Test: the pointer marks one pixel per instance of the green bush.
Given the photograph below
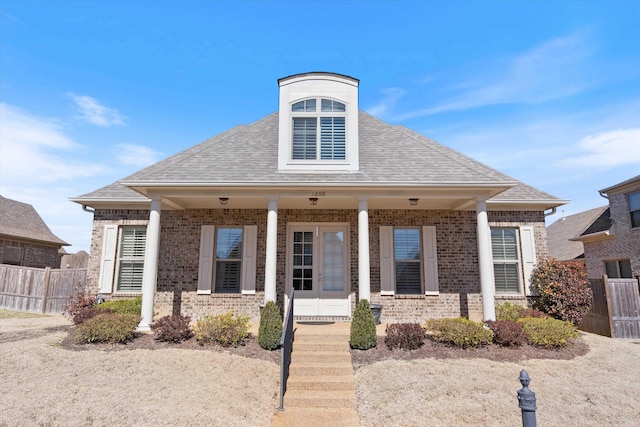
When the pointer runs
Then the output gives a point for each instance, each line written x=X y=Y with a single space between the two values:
x=459 y=332
x=172 y=328
x=562 y=289
x=123 y=306
x=111 y=328
x=228 y=330
x=548 y=332
x=363 y=327
x=270 y=331
x=508 y=311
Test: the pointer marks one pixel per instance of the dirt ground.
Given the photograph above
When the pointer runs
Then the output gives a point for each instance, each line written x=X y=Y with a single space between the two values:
x=45 y=379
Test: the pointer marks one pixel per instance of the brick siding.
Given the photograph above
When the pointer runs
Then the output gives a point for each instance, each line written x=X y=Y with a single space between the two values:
x=180 y=244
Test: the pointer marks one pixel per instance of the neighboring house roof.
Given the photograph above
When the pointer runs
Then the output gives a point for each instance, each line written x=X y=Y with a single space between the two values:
x=20 y=220
x=600 y=224
x=389 y=155
x=561 y=231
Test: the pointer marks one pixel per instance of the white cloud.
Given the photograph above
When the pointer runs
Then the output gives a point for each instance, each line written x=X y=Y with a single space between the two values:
x=137 y=155
x=390 y=98
x=554 y=69
x=607 y=150
x=91 y=111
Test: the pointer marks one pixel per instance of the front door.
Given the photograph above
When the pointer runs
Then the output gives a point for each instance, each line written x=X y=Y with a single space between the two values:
x=318 y=269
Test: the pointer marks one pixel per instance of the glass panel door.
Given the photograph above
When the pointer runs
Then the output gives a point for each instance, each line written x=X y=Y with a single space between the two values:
x=333 y=261
x=303 y=260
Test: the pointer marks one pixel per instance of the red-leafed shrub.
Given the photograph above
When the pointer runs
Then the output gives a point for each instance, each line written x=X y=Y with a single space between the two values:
x=172 y=328
x=562 y=290
x=532 y=312
x=80 y=308
x=407 y=336
x=507 y=333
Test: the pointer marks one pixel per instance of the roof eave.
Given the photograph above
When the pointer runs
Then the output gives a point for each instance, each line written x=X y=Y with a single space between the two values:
x=593 y=237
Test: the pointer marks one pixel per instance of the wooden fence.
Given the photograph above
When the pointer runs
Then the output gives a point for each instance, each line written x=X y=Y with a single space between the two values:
x=616 y=308
x=38 y=290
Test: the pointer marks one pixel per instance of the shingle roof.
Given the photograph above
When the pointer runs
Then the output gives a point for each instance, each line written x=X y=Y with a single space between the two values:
x=388 y=154
x=601 y=223
x=21 y=220
x=559 y=233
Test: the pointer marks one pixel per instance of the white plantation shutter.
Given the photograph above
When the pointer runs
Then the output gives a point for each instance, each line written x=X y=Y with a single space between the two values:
x=528 y=248
x=205 y=265
x=387 y=274
x=131 y=258
x=248 y=280
x=429 y=248
x=304 y=138
x=108 y=259
x=332 y=138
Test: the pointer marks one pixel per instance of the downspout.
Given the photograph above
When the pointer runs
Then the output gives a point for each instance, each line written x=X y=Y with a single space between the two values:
x=553 y=211
x=87 y=209
x=602 y=195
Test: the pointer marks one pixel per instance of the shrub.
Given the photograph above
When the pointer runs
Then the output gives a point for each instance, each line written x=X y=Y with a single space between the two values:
x=270 y=331
x=228 y=330
x=78 y=304
x=89 y=313
x=123 y=306
x=508 y=333
x=362 y=334
x=459 y=332
x=172 y=328
x=508 y=311
x=548 y=332
x=407 y=336
x=532 y=312
x=108 y=328
x=562 y=289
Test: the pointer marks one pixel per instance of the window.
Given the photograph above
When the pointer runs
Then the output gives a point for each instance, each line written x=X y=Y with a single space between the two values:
x=408 y=261
x=618 y=269
x=406 y=252
x=634 y=209
x=228 y=260
x=131 y=258
x=319 y=135
x=506 y=265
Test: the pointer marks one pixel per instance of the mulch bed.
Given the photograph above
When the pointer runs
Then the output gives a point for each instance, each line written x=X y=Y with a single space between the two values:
x=430 y=349
x=435 y=350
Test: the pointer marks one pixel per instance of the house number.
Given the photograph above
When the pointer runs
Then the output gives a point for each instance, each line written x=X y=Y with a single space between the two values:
x=317 y=193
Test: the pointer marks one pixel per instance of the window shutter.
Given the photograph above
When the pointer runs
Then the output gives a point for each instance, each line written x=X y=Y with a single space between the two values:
x=430 y=250
x=387 y=275
x=249 y=248
x=528 y=244
x=108 y=260
x=205 y=266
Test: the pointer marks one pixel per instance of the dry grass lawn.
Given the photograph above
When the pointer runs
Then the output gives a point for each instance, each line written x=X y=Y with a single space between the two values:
x=42 y=383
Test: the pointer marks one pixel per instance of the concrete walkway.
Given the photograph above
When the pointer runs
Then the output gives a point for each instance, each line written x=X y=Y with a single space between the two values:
x=321 y=388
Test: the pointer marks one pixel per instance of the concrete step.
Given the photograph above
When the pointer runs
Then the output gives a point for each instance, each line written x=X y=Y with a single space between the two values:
x=321 y=338
x=316 y=417
x=321 y=356
x=320 y=346
x=325 y=369
x=310 y=382
x=320 y=399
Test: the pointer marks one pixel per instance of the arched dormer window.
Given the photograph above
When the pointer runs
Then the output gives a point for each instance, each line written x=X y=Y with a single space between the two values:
x=318 y=133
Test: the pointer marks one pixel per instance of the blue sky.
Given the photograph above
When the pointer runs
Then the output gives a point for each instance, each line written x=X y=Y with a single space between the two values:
x=92 y=91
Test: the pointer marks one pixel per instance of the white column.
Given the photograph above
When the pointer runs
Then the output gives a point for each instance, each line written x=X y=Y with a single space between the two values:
x=485 y=261
x=364 y=273
x=270 y=293
x=150 y=271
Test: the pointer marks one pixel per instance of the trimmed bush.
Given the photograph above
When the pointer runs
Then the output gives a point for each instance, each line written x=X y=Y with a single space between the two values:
x=508 y=333
x=459 y=332
x=532 y=312
x=406 y=336
x=172 y=328
x=111 y=328
x=562 y=289
x=123 y=306
x=508 y=311
x=270 y=331
x=228 y=330
x=362 y=334
x=548 y=333
x=80 y=308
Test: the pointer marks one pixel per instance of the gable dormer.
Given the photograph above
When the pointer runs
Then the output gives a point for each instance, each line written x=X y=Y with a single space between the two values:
x=318 y=127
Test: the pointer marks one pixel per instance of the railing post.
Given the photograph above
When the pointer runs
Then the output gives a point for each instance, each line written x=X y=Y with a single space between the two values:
x=527 y=401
